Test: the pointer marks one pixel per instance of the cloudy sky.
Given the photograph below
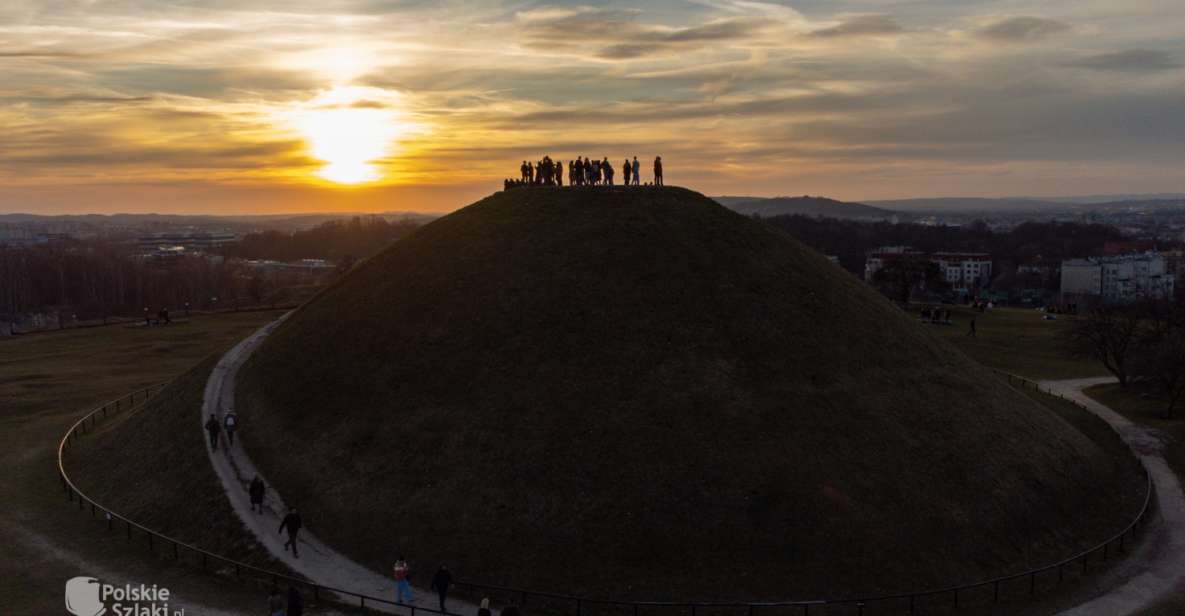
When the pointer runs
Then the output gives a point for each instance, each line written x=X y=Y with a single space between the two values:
x=242 y=105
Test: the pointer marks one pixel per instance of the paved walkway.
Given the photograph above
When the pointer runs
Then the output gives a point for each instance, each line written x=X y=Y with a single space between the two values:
x=1159 y=570
x=318 y=562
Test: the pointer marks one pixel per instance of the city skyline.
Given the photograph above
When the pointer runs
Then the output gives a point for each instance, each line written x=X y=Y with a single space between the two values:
x=235 y=107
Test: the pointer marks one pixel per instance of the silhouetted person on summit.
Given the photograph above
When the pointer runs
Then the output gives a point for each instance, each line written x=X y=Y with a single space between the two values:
x=637 y=171
x=559 y=173
x=607 y=169
x=213 y=428
x=292 y=523
x=625 y=172
x=658 y=171
x=257 y=490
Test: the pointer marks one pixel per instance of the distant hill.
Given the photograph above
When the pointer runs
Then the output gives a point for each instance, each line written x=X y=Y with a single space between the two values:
x=242 y=223
x=970 y=205
x=805 y=206
x=637 y=393
x=1090 y=199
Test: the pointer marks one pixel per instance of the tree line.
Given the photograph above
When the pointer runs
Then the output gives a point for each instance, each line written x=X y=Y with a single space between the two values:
x=100 y=278
x=336 y=240
x=1138 y=343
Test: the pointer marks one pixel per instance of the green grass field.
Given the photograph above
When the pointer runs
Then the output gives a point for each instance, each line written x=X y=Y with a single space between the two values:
x=1145 y=406
x=1018 y=341
x=49 y=380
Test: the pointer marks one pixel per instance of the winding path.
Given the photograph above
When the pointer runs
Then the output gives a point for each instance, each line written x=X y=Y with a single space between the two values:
x=1157 y=571
x=318 y=562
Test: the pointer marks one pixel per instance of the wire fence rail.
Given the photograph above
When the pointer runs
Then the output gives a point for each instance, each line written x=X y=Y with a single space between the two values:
x=552 y=602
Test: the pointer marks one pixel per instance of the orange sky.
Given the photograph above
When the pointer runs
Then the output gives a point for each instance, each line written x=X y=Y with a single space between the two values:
x=237 y=106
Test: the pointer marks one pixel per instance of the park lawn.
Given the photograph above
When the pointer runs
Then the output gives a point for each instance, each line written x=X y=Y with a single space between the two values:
x=72 y=369
x=49 y=380
x=1016 y=340
x=1140 y=403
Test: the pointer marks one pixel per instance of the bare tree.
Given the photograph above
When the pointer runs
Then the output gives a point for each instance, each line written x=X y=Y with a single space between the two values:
x=899 y=279
x=1108 y=333
x=1160 y=357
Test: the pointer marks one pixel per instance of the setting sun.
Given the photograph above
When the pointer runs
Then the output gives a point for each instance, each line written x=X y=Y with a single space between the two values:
x=350 y=129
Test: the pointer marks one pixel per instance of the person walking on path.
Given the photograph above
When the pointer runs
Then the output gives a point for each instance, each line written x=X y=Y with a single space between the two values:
x=229 y=423
x=295 y=602
x=440 y=583
x=256 y=491
x=484 y=609
x=213 y=428
x=971 y=331
x=637 y=171
x=402 y=584
x=292 y=523
x=275 y=603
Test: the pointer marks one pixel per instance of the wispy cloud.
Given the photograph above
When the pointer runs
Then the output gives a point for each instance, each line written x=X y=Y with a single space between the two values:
x=1021 y=29
x=1129 y=60
x=862 y=25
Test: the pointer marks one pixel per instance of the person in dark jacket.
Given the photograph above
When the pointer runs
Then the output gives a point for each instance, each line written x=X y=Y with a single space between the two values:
x=292 y=523
x=213 y=427
x=275 y=603
x=440 y=583
x=484 y=610
x=295 y=602
x=257 y=490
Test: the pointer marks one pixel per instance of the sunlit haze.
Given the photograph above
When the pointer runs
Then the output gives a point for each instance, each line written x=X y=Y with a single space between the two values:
x=246 y=106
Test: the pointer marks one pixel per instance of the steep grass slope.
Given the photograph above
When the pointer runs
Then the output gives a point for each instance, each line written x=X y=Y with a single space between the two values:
x=640 y=394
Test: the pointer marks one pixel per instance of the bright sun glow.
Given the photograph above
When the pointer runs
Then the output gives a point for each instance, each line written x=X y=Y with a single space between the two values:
x=351 y=129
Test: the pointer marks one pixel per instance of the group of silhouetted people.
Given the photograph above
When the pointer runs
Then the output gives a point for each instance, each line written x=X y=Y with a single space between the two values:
x=581 y=172
x=278 y=606
x=162 y=317
x=229 y=424
x=293 y=605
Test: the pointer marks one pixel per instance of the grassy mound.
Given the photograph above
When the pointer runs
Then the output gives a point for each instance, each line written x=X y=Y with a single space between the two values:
x=640 y=394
